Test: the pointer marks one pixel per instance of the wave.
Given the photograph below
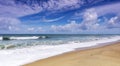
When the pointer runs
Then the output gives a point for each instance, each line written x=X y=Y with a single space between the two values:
x=29 y=54
x=0 y=38
x=22 y=44
x=9 y=46
x=25 y=41
x=21 y=38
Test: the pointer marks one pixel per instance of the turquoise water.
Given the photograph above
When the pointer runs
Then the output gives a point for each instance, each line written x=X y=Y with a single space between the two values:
x=52 y=39
x=23 y=49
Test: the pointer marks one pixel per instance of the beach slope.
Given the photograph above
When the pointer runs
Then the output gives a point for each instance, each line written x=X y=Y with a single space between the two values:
x=103 y=56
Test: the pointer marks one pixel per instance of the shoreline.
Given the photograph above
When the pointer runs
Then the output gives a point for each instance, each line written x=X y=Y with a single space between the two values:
x=56 y=58
x=18 y=57
x=98 y=45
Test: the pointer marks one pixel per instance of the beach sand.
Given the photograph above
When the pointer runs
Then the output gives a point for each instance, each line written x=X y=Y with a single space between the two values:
x=103 y=56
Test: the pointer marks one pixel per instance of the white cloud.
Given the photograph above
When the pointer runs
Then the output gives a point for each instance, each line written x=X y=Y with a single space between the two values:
x=101 y=10
x=7 y=23
x=35 y=29
x=51 y=20
x=71 y=27
x=109 y=8
x=40 y=29
x=114 y=22
x=63 y=4
x=11 y=8
x=14 y=25
x=90 y=22
x=90 y=15
x=31 y=29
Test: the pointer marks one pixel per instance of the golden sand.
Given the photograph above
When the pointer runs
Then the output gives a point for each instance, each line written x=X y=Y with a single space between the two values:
x=102 y=56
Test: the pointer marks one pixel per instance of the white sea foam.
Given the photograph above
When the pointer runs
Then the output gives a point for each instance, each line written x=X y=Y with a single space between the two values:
x=0 y=38
x=16 y=57
x=23 y=38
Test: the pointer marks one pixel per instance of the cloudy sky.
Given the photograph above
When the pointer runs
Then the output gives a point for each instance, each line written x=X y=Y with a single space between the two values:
x=59 y=17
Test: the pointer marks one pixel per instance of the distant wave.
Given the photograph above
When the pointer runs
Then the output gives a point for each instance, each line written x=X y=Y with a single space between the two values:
x=0 y=38
x=21 y=38
x=20 y=56
x=20 y=41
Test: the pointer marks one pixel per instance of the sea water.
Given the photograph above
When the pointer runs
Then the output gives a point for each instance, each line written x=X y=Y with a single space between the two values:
x=22 y=49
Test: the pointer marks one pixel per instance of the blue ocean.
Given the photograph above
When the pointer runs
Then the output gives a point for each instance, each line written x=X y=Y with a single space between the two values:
x=18 y=49
x=20 y=41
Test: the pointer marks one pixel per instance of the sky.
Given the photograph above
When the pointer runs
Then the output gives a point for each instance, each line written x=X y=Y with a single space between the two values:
x=59 y=17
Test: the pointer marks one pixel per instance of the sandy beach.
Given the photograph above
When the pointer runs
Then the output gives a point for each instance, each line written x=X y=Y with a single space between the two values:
x=103 y=56
x=59 y=32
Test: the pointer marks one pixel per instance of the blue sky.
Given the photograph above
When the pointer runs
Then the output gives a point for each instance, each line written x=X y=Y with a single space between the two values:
x=59 y=17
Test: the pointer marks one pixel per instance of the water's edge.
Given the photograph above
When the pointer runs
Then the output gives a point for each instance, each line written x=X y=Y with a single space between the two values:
x=29 y=54
x=80 y=49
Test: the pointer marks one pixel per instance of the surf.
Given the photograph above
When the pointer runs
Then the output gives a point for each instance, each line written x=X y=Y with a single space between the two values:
x=22 y=37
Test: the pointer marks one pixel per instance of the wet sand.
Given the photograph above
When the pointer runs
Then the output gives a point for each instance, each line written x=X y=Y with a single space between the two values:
x=101 y=56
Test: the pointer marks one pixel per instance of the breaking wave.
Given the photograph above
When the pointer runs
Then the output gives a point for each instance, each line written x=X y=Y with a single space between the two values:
x=21 y=38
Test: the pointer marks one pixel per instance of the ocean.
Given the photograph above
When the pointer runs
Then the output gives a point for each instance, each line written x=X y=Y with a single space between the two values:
x=19 y=49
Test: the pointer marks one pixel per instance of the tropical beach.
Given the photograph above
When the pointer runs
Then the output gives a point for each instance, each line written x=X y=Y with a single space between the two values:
x=17 y=50
x=59 y=32
x=101 y=56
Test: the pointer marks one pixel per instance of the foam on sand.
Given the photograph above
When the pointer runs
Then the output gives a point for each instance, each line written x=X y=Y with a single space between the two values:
x=20 y=56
